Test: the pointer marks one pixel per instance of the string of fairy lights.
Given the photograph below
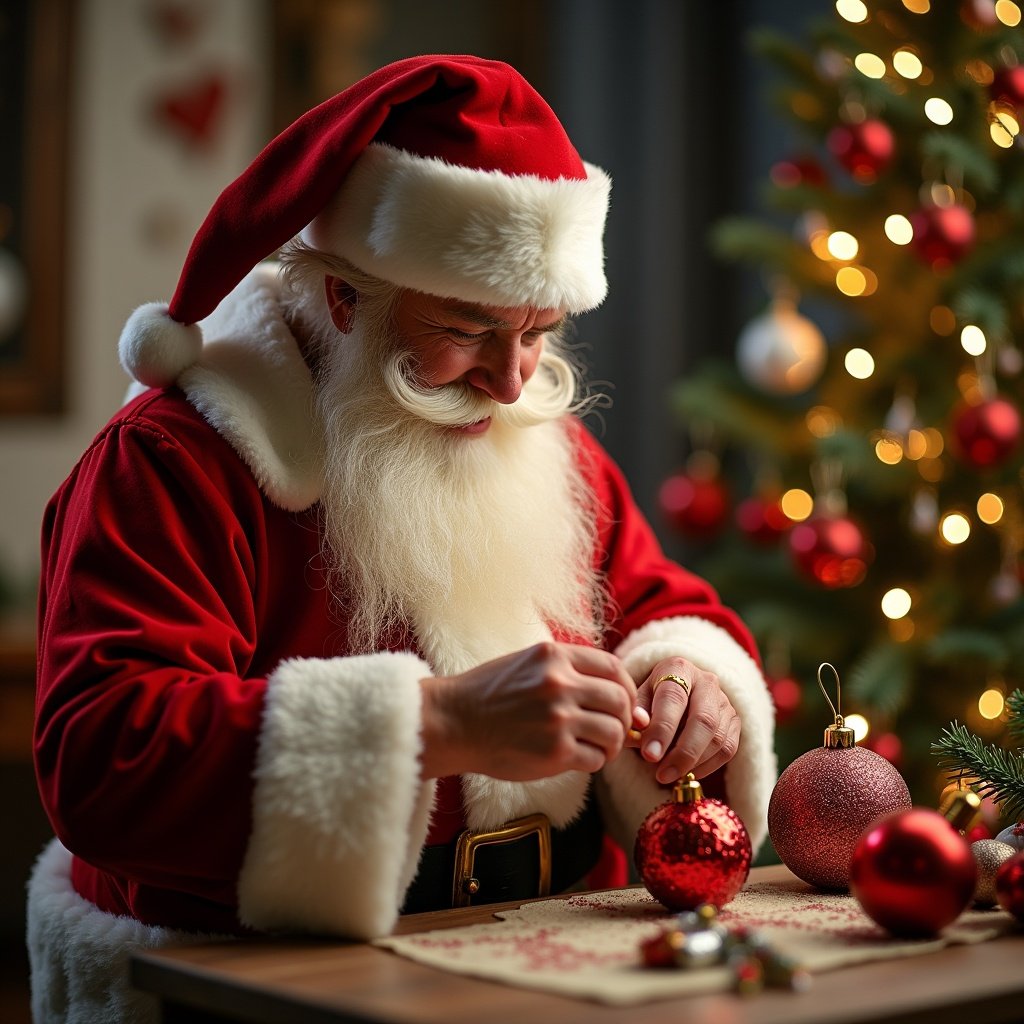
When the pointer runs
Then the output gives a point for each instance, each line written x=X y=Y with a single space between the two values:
x=842 y=253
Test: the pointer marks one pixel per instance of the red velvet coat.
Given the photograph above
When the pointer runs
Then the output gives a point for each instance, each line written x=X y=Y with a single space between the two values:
x=207 y=747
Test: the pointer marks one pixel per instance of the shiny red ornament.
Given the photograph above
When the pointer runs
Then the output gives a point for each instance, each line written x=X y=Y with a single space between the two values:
x=979 y=14
x=1008 y=86
x=798 y=171
x=787 y=696
x=830 y=550
x=887 y=745
x=822 y=803
x=865 y=149
x=762 y=520
x=987 y=433
x=912 y=872
x=979 y=832
x=943 y=235
x=694 y=504
x=1010 y=886
x=692 y=850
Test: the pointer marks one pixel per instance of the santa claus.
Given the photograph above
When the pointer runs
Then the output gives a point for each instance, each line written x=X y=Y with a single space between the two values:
x=346 y=613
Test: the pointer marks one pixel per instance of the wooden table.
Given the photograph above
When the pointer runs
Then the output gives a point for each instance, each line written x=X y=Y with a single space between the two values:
x=306 y=981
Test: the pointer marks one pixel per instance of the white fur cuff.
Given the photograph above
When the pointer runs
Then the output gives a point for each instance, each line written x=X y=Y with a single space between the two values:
x=339 y=811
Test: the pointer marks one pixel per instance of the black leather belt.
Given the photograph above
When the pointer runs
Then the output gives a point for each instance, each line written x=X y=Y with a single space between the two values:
x=523 y=859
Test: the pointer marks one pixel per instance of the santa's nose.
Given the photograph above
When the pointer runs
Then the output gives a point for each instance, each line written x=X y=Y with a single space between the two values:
x=499 y=372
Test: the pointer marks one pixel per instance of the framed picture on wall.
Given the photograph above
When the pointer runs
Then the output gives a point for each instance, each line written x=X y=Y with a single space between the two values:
x=35 y=59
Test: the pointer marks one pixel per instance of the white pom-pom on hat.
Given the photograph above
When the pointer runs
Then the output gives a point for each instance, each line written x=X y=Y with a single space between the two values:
x=155 y=349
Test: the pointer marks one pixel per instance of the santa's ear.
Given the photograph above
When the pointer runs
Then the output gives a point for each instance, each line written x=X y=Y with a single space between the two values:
x=341 y=301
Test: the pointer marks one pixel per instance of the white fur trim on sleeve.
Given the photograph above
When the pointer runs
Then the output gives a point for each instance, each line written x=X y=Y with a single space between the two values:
x=339 y=811
x=628 y=782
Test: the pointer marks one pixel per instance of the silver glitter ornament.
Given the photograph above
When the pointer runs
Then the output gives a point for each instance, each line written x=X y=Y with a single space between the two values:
x=989 y=855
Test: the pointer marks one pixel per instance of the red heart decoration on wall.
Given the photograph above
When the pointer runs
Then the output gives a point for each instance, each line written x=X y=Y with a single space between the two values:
x=192 y=111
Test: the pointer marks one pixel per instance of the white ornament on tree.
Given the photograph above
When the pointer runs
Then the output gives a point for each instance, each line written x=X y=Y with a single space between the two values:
x=781 y=351
x=13 y=293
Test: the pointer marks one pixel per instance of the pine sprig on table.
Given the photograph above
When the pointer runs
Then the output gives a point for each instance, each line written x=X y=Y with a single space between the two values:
x=990 y=770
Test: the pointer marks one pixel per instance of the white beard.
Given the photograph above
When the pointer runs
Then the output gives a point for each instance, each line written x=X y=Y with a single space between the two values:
x=482 y=545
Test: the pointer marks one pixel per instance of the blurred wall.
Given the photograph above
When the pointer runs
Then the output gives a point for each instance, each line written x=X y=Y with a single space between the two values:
x=139 y=183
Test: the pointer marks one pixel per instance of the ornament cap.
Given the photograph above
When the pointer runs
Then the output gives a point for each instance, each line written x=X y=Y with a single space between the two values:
x=961 y=808
x=840 y=736
x=688 y=790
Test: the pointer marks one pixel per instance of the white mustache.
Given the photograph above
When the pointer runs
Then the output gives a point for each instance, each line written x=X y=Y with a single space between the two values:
x=547 y=395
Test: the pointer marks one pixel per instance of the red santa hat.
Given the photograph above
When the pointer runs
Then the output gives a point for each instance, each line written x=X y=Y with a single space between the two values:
x=444 y=174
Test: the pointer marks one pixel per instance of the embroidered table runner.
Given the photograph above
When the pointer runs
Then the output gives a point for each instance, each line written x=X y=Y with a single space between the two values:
x=588 y=945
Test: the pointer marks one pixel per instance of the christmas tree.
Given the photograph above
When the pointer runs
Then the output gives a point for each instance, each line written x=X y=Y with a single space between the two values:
x=854 y=478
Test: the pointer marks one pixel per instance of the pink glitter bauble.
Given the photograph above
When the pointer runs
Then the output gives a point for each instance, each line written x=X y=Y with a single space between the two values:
x=822 y=804
x=693 y=853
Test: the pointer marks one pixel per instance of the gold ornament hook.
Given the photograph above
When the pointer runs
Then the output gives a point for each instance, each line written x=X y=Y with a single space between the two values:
x=839 y=697
x=837 y=734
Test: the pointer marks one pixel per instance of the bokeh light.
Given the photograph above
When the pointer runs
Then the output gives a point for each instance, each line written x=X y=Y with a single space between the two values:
x=955 y=528
x=907 y=63
x=990 y=508
x=938 y=111
x=859 y=363
x=797 y=504
x=896 y=603
x=898 y=229
x=972 y=340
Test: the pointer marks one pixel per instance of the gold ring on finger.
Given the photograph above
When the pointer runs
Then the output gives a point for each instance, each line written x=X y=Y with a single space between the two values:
x=684 y=683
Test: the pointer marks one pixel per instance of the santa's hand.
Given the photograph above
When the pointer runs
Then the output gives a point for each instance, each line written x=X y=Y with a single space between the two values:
x=529 y=715
x=693 y=727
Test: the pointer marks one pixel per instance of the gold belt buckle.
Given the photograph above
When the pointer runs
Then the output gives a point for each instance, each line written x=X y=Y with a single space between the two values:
x=464 y=885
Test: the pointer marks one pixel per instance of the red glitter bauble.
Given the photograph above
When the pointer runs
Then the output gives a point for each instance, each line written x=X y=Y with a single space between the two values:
x=864 y=149
x=692 y=850
x=1010 y=885
x=821 y=805
x=987 y=433
x=912 y=872
x=831 y=550
x=1008 y=85
x=942 y=234
x=762 y=520
x=694 y=504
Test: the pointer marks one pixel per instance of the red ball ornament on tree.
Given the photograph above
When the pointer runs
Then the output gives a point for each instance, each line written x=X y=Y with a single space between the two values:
x=979 y=14
x=692 y=850
x=912 y=871
x=865 y=149
x=887 y=745
x=1008 y=86
x=696 y=502
x=761 y=520
x=787 y=696
x=986 y=433
x=825 y=799
x=830 y=550
x=1010 y=886
x=943 y=235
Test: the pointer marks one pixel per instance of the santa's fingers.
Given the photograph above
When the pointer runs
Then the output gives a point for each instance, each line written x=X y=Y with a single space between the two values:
x=721 y=751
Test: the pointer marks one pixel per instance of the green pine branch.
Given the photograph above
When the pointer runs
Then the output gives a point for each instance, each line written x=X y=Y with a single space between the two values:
x=1015 y=716
x=991 y=770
